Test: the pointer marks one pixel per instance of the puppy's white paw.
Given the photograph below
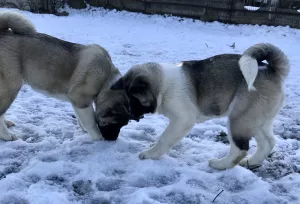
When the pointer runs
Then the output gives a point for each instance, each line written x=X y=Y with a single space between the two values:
x=149 y=154
x=215 y=163
x=220 y=164
x=13 y=136
x=8 y=137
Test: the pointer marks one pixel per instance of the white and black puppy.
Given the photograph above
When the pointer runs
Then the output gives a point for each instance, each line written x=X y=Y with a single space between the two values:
x=241 y=87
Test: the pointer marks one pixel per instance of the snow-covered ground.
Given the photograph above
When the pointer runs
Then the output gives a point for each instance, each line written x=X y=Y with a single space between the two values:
x=251 y=8
x=54 y=162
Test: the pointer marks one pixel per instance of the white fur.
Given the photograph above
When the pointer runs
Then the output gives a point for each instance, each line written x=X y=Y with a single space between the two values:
x=4 y=133
x=175 y=104
x=249 y=67
x=86 y=119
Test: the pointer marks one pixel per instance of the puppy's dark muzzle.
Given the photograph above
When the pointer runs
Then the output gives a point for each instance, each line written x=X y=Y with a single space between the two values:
x=111 y=132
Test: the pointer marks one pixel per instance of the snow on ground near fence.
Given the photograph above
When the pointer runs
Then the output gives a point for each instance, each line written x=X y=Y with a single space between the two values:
x=55 y=162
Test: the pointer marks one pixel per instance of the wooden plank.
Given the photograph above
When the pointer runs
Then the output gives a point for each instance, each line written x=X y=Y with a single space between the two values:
x=201 y=3
x=209 y=10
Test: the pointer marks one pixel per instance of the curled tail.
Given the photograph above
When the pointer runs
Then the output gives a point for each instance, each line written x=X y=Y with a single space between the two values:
x=277 y=60
x=16 y=22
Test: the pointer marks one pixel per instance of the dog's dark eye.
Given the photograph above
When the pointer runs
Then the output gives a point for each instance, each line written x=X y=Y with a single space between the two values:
x=135 y=89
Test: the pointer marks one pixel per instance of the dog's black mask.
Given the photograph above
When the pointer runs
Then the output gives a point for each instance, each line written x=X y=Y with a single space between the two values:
x=111 y=132
x=138 y=110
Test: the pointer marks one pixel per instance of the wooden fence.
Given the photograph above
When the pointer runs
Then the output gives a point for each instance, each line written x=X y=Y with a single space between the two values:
x=226 y=11
x=261 y=12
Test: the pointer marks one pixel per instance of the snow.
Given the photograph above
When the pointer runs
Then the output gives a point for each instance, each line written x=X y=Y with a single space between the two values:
x=251 y=8
x=55 y=162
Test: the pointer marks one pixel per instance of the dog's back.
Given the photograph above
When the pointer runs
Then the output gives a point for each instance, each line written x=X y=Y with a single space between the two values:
x=39 y=59
x=45 y=62
x=217 y=81
x=214 y=82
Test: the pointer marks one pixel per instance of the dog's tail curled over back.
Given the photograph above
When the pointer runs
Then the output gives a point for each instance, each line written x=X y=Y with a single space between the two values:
x=16 y=22
x=277 y=60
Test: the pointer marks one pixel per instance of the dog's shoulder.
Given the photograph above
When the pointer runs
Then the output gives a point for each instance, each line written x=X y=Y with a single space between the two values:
x=172 y=77
x=176 y=89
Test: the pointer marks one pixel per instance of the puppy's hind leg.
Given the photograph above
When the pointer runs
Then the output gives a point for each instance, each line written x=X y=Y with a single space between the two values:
x=239 y=145
x=265 y=142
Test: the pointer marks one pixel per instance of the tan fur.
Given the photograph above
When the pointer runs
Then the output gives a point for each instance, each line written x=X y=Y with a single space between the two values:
x=72 y=72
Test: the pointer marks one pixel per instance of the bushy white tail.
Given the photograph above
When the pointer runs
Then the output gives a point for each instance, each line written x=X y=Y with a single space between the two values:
x=277 y=60
x=249 y=68
x=16 y=22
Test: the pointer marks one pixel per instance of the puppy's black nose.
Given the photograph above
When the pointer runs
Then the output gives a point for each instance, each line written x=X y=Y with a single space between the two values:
x=110 y=132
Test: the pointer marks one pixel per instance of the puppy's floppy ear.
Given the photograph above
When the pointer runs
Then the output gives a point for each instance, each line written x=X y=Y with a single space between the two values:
x=138 y=89
x=118 y=85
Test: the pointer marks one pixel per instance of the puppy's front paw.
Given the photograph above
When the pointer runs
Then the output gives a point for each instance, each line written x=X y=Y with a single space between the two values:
x=214 y=163
x=220 y=164
x=8 y=137
x=13 y=137
x=149 y=155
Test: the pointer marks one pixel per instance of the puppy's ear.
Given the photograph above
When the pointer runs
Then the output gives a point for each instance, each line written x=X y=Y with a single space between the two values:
x=119 y=85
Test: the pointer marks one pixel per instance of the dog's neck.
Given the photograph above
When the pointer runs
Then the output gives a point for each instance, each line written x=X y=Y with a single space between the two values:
x=172 y=83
